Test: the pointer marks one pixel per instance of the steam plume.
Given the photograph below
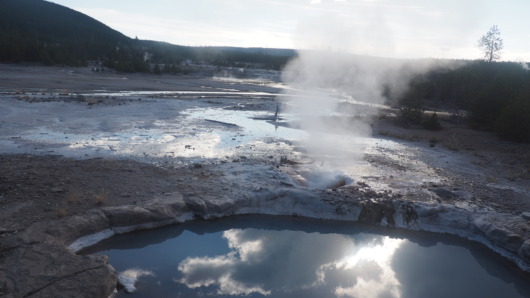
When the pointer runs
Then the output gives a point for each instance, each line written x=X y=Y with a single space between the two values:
x=334 y=93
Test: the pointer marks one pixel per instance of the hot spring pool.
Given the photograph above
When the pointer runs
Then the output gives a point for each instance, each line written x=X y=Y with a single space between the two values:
x=259 y=256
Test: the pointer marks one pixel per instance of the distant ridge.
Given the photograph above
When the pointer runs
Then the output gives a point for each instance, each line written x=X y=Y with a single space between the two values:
x=39 y=31
x=52 y=22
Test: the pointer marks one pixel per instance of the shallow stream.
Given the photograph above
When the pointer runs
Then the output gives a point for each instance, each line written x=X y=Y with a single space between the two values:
x=259 y=256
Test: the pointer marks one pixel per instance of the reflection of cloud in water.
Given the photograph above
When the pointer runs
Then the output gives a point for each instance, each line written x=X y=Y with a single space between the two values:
x=268 y=262
x=129 y=277
x=371 y=265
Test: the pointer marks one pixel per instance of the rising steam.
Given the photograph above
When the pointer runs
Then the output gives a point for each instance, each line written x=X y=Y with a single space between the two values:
x=334 y=94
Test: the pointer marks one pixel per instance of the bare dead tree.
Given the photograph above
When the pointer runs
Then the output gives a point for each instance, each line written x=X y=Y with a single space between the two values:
x=491 y=44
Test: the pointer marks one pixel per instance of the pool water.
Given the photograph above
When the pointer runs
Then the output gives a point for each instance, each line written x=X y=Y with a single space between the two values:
x=260 y=256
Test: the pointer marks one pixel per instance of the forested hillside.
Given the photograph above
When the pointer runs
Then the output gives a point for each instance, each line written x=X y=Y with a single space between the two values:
x=494 y=95
x=48 y=33
x=39 y=31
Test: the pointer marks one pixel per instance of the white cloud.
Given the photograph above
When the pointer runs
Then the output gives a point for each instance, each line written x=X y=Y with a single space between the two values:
x=329 y=263
x=188 y=32
x=384 y=283
x=409 y=28
x=129 y=277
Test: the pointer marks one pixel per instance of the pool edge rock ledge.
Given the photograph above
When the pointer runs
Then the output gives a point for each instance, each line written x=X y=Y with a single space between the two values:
x=42 y=261
x=37 y=262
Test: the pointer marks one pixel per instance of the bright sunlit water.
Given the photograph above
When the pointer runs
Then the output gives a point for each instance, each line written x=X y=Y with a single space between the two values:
x=249 y=127
x=259 y=256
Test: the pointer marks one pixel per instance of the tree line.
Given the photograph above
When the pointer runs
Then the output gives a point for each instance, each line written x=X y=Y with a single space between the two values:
x=126 y=56
x=44 y=32
x=494 y=97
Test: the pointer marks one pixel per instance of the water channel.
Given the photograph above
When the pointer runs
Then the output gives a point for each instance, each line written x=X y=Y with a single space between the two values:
x=260 y=256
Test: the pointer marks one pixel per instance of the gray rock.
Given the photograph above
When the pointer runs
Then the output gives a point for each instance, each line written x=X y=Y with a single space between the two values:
x=196 y=205
x=498 y=235
x=51 y=270
x=443 y=192
x=524 y=251
x=138 y=215
x=72 y=228
x=57 y=190
x=375 y=212
x=36 y=262
x=341 y=210
x=462 y=194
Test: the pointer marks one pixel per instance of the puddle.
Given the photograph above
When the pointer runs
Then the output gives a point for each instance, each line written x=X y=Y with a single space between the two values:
x=180 y=93
x=259 y=256
x=237 y=128
x=181 y=131
x=162 y=129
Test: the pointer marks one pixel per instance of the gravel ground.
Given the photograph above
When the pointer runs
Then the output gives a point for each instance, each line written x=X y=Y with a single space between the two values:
x=466 y=165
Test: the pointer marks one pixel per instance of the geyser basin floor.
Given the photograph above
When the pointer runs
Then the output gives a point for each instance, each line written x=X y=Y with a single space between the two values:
x=285 y=257
x=151 y=129
x=39 y=188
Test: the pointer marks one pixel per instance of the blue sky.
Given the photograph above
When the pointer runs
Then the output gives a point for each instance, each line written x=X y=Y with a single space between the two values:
x=404 y=29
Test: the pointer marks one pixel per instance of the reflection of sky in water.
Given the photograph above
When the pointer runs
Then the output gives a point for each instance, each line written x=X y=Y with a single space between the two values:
x=250 y=128
x=167 y=131
x=267 y=262
x=177 y=93
x=279 y=257
x=199 y=134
